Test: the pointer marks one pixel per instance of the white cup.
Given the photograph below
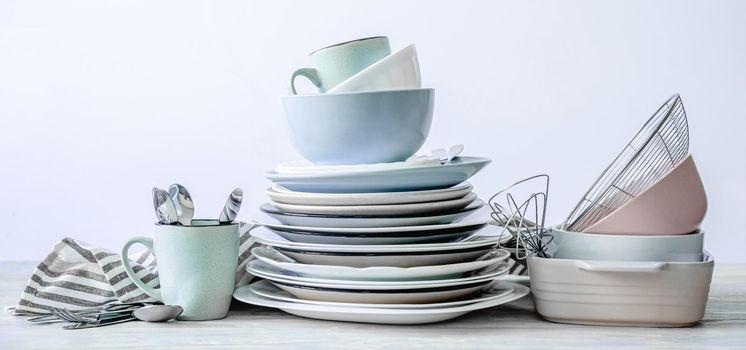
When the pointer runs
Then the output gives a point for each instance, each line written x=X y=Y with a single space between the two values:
x=400 y=70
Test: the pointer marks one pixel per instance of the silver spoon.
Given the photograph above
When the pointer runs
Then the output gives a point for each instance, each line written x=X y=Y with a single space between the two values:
x=157 y=313
x=165 y=210
x=183 y=201
x=231 y=207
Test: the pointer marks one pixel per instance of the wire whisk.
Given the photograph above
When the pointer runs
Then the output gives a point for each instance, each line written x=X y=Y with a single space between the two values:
x=524 y=220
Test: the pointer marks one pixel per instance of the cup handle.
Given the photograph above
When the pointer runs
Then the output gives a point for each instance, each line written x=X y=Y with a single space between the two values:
x=148 y=243
x=310 y=73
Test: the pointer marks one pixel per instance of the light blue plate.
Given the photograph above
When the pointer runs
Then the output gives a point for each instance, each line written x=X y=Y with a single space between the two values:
x=416 y=178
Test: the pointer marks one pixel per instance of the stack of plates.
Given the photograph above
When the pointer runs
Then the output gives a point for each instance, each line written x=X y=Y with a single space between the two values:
x=392 y=243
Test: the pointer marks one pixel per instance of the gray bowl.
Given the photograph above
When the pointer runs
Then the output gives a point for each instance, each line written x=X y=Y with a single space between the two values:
x=360 y=128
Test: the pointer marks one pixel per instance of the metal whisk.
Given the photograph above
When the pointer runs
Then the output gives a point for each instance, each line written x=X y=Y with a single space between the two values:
x=524 y=220
x=660 y=144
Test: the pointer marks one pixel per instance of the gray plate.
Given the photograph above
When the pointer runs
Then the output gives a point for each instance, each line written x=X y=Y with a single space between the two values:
x=317 y=220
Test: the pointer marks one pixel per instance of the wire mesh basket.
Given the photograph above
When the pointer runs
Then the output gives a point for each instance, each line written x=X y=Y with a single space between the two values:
x=660 y=144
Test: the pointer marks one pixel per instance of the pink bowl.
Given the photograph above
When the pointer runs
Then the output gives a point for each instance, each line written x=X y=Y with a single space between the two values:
x=676 y=204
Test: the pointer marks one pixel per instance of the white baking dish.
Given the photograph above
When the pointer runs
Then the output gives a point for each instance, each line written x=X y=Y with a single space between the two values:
x=655 y=294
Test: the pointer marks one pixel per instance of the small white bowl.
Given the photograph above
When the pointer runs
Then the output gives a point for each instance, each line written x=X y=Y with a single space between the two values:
x=400 y=70
x=655 y=294
x=591 y=246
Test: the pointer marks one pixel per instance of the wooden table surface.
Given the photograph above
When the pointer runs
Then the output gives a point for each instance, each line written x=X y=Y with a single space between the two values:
x=511 y=326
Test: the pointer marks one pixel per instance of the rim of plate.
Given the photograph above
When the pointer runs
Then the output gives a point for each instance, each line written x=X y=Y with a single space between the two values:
x=519 y=291
x=497 y=292
x=279 y=189
x=402 y=229
x=475 y=204
x=497 y=269
x=499 y=255
x=382 y=248
x=464 y=160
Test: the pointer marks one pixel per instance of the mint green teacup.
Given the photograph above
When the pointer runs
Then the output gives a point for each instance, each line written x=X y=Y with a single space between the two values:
x=196 y=267
x=334 y=64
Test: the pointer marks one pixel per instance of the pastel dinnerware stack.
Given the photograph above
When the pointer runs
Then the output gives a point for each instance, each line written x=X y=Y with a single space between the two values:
x=361 y=230
x=632 y=252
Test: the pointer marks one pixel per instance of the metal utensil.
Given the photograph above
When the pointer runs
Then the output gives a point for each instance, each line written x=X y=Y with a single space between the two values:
x=100 y=323
x=57 y=315
x=158 y=313
x=183 y=201
x=231 y=207
x=165 y=210
x=661 y=143
x=524 y=219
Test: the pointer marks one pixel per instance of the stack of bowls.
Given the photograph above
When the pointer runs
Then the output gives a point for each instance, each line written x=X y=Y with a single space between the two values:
x=361 y=231
x=643 y=264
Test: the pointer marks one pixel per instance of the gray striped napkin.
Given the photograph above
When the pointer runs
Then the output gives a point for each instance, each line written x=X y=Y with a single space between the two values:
x=77 y=276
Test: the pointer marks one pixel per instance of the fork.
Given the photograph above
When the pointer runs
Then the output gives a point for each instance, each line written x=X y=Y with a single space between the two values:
x=68 y=315
x=100 y=322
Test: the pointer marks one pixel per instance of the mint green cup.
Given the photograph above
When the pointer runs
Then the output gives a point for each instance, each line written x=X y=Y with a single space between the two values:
x=196 y=267
x=334 y=64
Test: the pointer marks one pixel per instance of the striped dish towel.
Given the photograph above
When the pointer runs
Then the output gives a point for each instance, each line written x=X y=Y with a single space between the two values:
x=76 y=276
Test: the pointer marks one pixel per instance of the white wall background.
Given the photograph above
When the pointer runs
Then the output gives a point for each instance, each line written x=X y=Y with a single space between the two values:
x=101 y=100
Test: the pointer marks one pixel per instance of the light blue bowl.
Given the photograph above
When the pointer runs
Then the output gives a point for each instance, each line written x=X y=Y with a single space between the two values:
x=360 y=128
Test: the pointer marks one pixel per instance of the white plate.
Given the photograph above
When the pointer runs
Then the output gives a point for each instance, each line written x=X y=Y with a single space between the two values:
x=311 y=220
x=486 y=237
x=400 y=296
x=373 y=210
x=262 y=269
x=495 y=290
x=380 y=273
x=486 y=233
x=378 y=238
x=322 y=238
x=377 y=315
x=408 y=178
x=399 y=259
x=280 y=194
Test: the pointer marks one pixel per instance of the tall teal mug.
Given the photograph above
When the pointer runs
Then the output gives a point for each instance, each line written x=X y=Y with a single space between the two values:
x=196 y=267
x=334 y=64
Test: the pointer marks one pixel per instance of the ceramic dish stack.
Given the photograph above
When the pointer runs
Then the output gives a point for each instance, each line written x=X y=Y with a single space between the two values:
x=406 y=257
x=361 y=230
x=631 y=252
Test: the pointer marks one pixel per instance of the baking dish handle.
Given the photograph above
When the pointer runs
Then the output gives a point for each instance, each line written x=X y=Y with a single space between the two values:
x=618 y=266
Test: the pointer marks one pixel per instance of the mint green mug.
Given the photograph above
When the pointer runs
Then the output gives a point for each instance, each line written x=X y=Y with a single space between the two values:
x=196 y=267
x=334 y=64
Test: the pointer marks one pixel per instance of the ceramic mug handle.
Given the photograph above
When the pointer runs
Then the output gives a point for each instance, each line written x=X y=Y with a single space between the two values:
x=148 y=243
x=310 y=73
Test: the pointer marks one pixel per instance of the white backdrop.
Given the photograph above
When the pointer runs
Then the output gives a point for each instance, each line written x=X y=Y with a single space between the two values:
x=101 y=100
